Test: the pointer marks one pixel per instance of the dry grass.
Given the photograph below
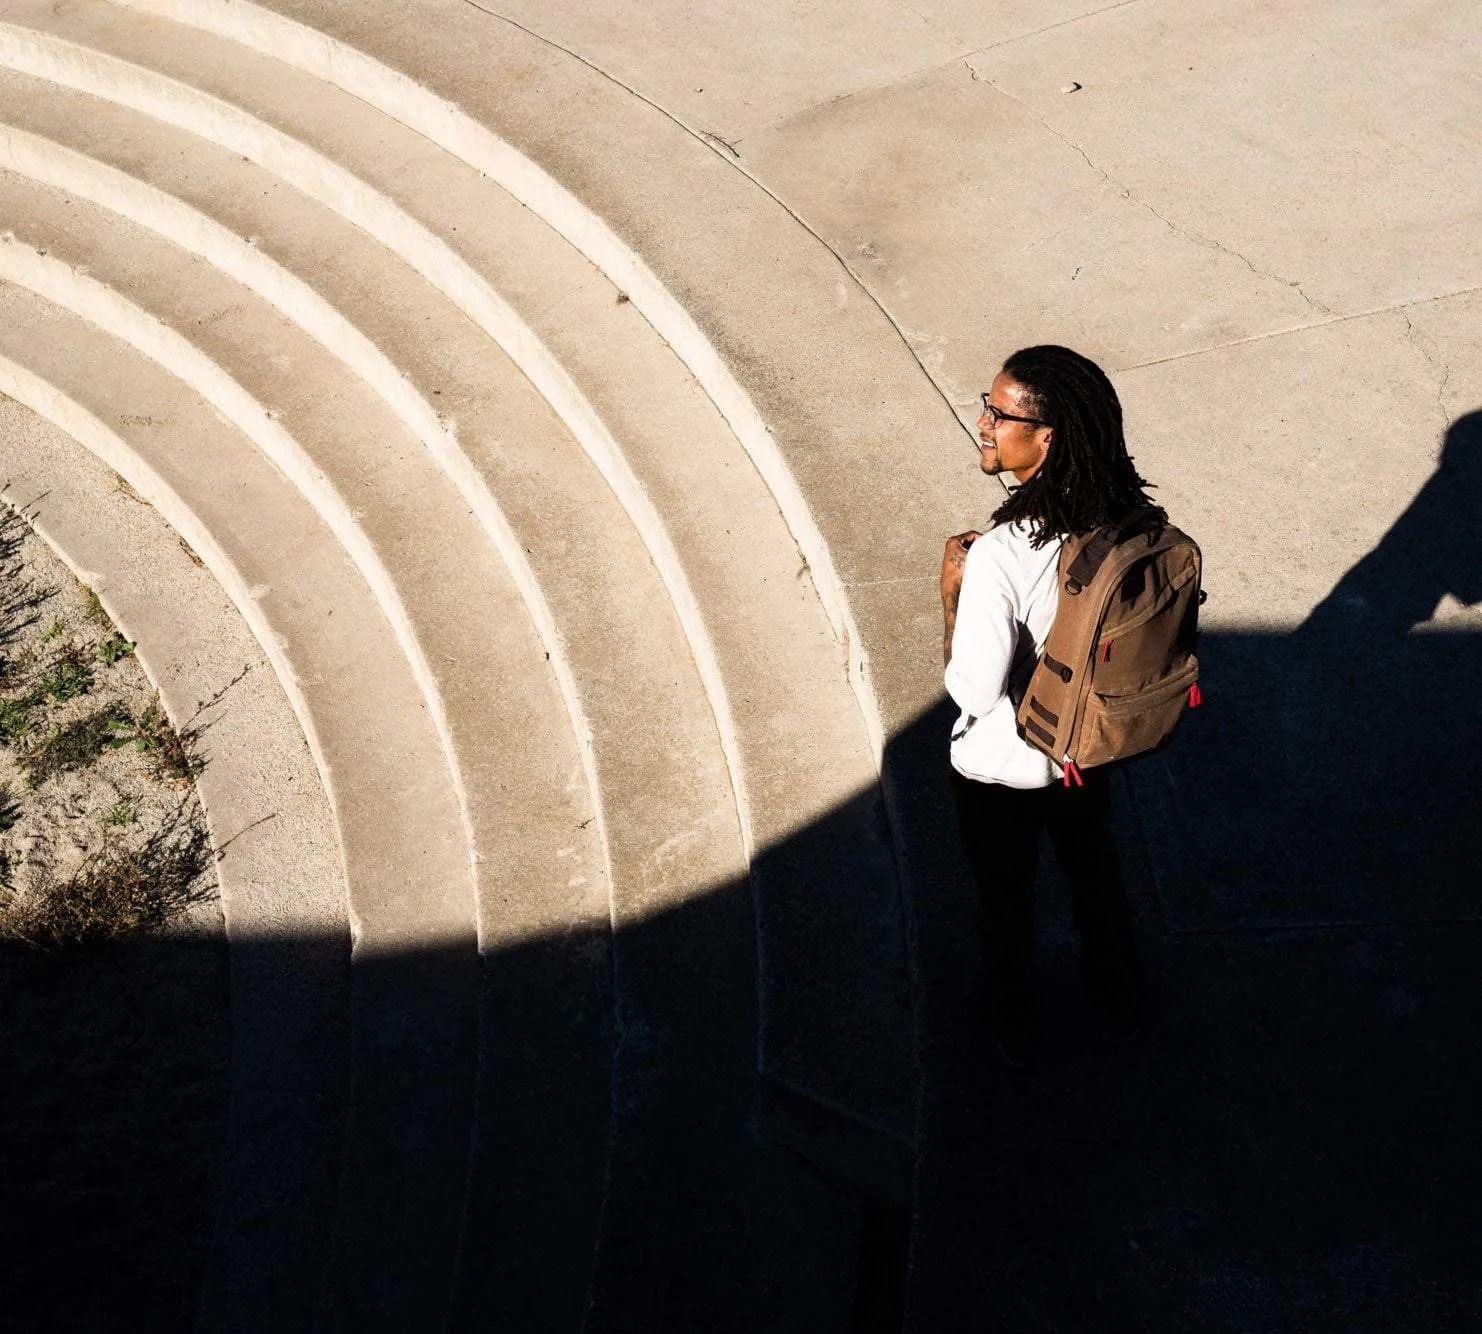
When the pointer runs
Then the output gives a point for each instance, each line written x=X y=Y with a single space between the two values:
x=117 y=893
x=75 y=746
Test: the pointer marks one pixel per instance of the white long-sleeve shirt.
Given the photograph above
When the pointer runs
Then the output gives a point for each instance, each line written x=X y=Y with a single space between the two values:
x=1004 y=614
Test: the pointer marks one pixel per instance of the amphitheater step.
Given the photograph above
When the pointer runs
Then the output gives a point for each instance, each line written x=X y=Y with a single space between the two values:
x=281 y=880
x=798 y=749
x=790 y=730
x=403 y=838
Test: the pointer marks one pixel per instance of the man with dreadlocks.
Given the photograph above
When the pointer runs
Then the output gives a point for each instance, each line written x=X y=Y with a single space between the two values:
x=1053 y=420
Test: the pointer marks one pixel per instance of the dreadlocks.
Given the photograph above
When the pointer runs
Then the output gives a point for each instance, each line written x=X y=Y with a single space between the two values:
x=1087 y=478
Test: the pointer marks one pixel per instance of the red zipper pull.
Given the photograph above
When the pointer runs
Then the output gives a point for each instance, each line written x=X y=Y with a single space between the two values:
x=1196 y=696
x=1106 y=652
x=1071 y=772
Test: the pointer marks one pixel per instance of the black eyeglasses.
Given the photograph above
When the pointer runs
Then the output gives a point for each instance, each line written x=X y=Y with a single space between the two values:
x=995 y=415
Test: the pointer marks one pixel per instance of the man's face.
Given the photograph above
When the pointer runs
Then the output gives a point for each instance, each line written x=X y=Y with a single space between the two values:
x=1011 y=446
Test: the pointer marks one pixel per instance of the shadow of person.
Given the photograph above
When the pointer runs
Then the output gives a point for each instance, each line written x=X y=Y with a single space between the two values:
x=1434 y=549
x=1332 y=776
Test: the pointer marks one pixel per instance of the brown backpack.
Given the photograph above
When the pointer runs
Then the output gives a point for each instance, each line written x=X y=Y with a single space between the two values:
x=1119 y=665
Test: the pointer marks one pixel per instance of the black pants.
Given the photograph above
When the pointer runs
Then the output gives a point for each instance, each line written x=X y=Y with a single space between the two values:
x=1000 y=829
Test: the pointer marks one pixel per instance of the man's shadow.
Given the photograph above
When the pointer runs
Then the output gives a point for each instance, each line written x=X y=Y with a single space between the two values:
x=1332 y=775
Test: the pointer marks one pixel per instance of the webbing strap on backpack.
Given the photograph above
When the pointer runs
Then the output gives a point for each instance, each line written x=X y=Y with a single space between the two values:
x=1102 y=543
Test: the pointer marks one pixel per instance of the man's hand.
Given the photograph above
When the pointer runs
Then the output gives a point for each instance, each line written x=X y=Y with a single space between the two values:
x=953 y=560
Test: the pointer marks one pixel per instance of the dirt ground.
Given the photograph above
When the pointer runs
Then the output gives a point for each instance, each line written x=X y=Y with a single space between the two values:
x=113 y=977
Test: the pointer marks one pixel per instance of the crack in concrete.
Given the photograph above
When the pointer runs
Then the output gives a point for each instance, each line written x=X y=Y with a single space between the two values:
x=1412 y=336
x=1302 y=328
x=1125 y=191
x=712 y=138
x=1061 y=23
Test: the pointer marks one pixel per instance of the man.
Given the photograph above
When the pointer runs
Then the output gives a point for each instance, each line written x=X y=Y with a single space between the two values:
x=1053 y=420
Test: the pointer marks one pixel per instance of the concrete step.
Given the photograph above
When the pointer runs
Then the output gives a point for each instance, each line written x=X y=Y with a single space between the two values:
x=281 y=879
x=798 y=748
x=402 y=835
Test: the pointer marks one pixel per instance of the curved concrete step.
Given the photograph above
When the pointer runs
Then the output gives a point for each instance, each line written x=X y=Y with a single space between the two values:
x=798 y=748
x=401 y=831
x=281 y=879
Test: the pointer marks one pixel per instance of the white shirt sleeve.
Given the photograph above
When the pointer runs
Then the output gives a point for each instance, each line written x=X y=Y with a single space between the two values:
x=983 y=641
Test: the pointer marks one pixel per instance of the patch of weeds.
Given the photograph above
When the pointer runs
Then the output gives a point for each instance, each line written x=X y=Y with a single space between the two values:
x=94 y=610
x=66 y=677
x=172 y=757
x=53 y=631
x=115 y=647
x=117 y=893
x=77 y=745
x=10 y=811
x=15 y=718
x=121 y=814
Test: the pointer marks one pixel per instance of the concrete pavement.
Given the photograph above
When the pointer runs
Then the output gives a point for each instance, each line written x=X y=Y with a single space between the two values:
x=808 y=234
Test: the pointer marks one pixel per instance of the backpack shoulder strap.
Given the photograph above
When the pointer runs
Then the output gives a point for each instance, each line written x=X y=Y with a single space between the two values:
x=1090 y=555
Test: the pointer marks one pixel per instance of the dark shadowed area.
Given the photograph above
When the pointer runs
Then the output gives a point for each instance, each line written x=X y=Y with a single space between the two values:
x=113 y=1108
x=1291 y=1143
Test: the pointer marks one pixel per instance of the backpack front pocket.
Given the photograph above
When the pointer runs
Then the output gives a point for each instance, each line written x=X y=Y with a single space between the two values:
x=1115 y=727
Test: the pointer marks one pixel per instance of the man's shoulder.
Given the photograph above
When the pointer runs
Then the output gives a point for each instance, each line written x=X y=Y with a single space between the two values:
x=1009 y=550
x=1004 y=544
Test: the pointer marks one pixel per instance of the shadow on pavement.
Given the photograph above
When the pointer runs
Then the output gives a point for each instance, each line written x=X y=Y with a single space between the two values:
x=1290 y=1144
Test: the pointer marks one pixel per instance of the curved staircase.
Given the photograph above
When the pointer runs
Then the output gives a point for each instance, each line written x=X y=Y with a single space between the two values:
x=589 y=579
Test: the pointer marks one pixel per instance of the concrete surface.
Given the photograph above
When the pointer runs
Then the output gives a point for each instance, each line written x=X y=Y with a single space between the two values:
x=1262 y=219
